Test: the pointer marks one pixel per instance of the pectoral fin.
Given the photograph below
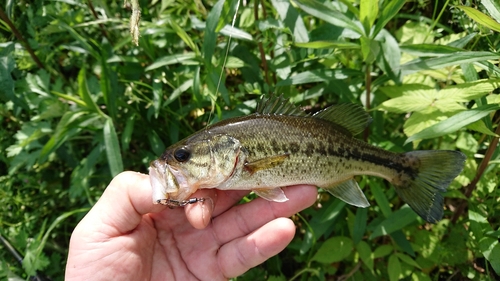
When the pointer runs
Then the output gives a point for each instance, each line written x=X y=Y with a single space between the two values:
x=274 y=194
x=349 y=192
x=265 y=163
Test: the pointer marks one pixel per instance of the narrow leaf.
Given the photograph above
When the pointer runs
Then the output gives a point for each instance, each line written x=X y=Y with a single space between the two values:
x=454 y=123
x=481 y=18
x=209 y=40
x=172 y=59
x=365 y=254
x=321 y=11
x=328 y=45
x=493 y=8
x=447 y=60
x=184 y=36
x=394 y=268
x=359 y=225
x=321 y=75
x=83 y=91
x=292 y=19
x=112 y=148
x=388 y=12
x=395 y=221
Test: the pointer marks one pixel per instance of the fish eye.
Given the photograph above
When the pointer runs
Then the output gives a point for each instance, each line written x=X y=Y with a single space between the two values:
x=182 y=154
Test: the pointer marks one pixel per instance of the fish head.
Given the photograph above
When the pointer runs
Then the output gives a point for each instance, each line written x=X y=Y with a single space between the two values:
x=200 y=161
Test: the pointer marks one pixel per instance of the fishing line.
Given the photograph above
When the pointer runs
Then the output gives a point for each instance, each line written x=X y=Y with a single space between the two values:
x=223 y=64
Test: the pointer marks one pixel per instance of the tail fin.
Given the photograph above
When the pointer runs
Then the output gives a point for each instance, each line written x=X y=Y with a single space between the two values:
x=432 y=172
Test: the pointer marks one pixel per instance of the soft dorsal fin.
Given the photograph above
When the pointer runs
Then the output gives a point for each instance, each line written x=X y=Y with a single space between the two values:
x=278 y=105
x=347 y=115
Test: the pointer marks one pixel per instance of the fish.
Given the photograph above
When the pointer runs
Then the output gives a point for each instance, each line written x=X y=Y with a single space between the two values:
x=281 y=145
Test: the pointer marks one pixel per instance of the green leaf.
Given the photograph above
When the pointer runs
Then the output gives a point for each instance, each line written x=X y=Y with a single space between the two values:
x=359 y=225
x=333 y=250
x=365 y=254
x=400 y=238
x=447 y=60
x=395 y=221
x=83 y=91
x=454 y=123
x=184 y=36
x=67 y=127
x=234 y=62
x=381 y=199
x=493 y=7
x=394 y=268
x=429 y=50
x=382 y=251
x=127 y=132
x=481 y=18
x=389 y=56
x=156 y=143
x=108 y=87
x=112 y=148
x=328 y=45
x=321 y=75
x=292 y=19
x=407 y=259
x=326 y=13
x=210 y=38
x=157 y=94
x=368 y=12
x=178 y=91
x=84 y=41
x=388 y=12
x=187 y=58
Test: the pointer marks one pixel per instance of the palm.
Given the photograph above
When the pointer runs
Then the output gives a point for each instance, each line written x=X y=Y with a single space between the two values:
x=115 y=240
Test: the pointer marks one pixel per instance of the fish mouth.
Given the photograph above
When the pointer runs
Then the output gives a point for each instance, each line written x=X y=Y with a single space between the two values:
x=158 y=180
x=163 y=181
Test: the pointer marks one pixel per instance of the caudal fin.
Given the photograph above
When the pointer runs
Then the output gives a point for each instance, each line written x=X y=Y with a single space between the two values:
x=431 y=173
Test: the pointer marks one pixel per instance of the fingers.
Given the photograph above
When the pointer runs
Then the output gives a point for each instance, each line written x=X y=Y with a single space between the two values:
x=227 y=199
x=243 y=253
x=200 y=213
x=122 y=205
x=243 y=219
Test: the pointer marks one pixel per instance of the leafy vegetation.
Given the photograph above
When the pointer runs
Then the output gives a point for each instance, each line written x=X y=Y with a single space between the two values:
x=81 y=102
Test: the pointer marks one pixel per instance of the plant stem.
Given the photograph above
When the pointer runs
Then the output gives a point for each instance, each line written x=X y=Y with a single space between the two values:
x=261 y=48
x=103 y=30
x=368 y=86
x=20 y=37
x=480 y=171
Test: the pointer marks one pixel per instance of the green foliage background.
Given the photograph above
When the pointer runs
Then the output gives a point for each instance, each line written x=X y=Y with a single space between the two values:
x=80 y=102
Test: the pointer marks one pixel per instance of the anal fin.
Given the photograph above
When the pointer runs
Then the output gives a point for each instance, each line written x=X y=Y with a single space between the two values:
x=349 y=192
x=273 y=194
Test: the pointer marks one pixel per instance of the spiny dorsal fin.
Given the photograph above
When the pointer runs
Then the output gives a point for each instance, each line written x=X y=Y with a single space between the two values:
x=347 y=115
x=278 y=105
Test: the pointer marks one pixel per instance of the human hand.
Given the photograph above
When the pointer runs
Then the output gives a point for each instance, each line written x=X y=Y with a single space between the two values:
x=126 y=237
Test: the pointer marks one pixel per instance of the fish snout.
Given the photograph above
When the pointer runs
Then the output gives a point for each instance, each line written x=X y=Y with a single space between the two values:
x=162 y=181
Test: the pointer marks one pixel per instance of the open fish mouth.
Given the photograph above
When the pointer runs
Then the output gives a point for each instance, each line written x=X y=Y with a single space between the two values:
x=164 y=181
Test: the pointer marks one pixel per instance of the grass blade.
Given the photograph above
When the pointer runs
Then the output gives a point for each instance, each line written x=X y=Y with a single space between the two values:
x=481 y=18
x=112 y=148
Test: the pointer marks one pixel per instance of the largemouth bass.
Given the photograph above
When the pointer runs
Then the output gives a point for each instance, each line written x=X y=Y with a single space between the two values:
x=280 y=145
